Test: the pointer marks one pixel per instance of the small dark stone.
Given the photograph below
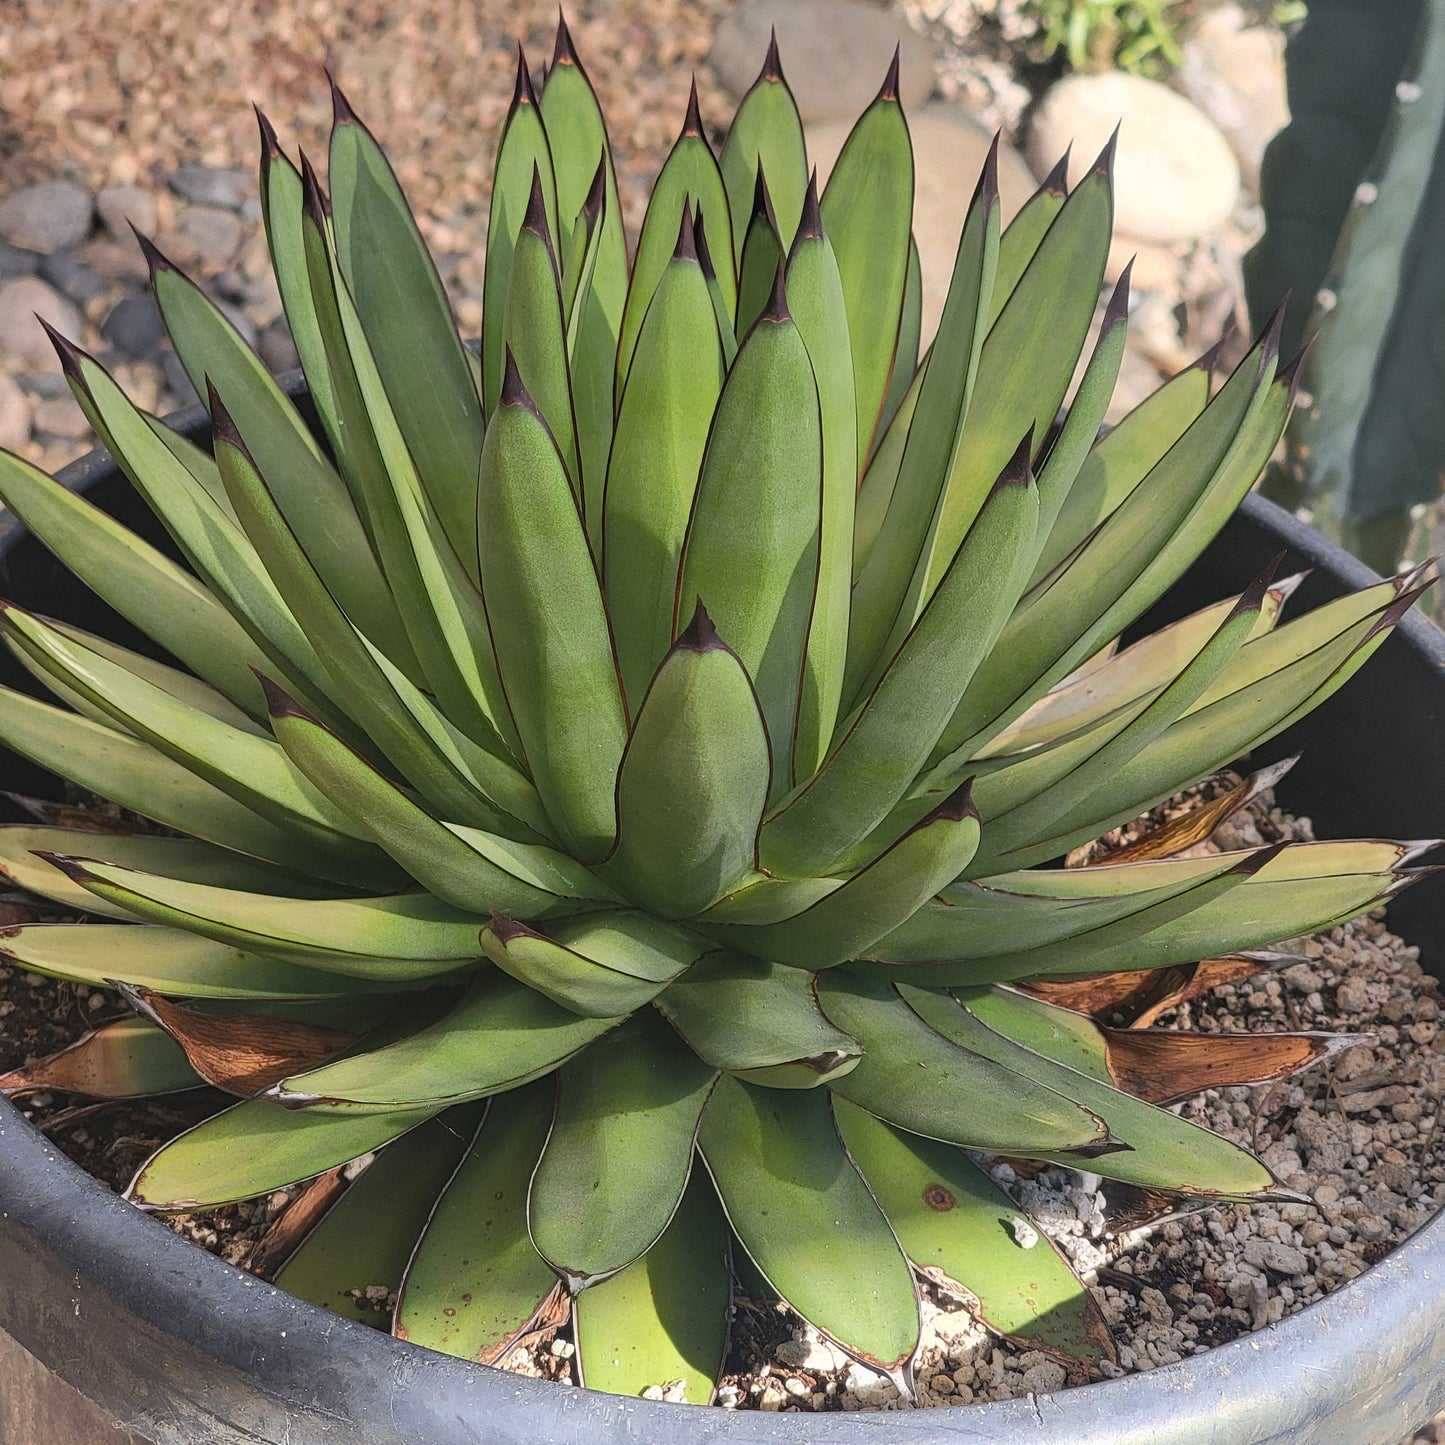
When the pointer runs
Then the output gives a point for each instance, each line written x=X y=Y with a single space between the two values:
x=208 y=186
x=44 y=384
x=73 y=277
x=134 y=326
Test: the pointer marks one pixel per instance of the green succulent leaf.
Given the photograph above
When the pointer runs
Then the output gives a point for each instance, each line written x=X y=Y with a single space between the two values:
x=366 y=1238
x=759 y=1021
x=1025 y=233
x=953 y=1220
x=766 y=136
x=475 y=1283
x=128 y=1058
x=694 y=779
x=900 y=1048
x=689 y=176
x=602 y=966
x=255 y=1147
x=664 y=1319
x=764 y=462
x=617 y=1160
x=663 y=421
x=549 y=625
x=500 y=1036
x=763 y=252
x=408 y=322
x=867 y=210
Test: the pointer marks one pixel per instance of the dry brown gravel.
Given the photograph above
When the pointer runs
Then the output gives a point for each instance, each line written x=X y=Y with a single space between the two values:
x=115 y=92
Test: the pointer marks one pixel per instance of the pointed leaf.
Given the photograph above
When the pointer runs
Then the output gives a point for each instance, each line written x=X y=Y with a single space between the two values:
x=619 y=1154
x=766 y=135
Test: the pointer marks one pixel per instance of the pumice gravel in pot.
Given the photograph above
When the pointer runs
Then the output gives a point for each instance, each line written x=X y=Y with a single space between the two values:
x=619 y=786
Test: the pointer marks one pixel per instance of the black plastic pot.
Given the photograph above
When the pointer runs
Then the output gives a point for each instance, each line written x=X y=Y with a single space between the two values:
x=129 y=1329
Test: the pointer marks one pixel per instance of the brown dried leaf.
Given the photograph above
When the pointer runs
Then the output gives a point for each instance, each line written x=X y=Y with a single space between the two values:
x=295 y=1222
x=244 y=1054
x=1162 y=1065
x=1195 y=826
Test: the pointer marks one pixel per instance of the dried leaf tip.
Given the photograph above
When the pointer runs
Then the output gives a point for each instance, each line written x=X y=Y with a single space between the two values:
x=889 y=89
x=686 y=247
x=341 y=111
x=73 y=868
x=563 y=51
x=772 y=70
x=699 y=635
x=692 y=121
x=957 y=806
x=777 y=308
x=523 y=94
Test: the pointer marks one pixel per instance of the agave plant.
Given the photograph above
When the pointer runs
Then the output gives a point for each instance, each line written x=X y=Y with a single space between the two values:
x=617 y=783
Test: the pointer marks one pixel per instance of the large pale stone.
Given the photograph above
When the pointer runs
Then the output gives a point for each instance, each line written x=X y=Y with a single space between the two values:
x=834 y=52
x=21 y=335
x=46 y=217
x=1175 y=176
x=1234 y=72
x=949 y=147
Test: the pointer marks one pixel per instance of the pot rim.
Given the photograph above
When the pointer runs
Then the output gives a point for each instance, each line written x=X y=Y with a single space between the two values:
x=319 y=1377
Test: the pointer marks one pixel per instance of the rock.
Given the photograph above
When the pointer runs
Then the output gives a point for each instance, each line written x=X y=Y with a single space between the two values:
x=71 y=276
x=46 y=217
x=14 y=414
x=277 y=349
x=61 y=416
x=1234 y=72
x=1175 y=176
x=44 y=384
x=134 y=326
x=811 y=1353
x=1275 y=1255
x=1156 y=268
x=949 y=147
x=21 y=335
x=203 y=236
x=120 y=260
x=1045 y=1376
x=121 y=207
x=14 y=261
x=834 y=52
x=208 y=186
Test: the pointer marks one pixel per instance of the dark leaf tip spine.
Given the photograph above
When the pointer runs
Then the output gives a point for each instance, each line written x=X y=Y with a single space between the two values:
x=777 y=308
x=1252 y=598
x=1056 y=183
x=686 y=247
x=505 y=929
x=563 y=51
x=154 y=258
x=341 y=111
x=889 y=89
x=1261 y=858
x=699 y=635
x=810 y=224
x=986 y=194
x=1018 y=470
x=69 y=353
x=762 y=201
x=1105 y=163
x=957 y=806
x=596 y=192
x=692 y=121
x=772 y=70
x=1209 y=360
x=524 y=93
x=704 y=256
x=514 y=393
x=1117 y=311
x=1292 y=373
x=223 y=427
x=279 y=702
x=270 y=146
x=313 y=198
x=535 y=219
